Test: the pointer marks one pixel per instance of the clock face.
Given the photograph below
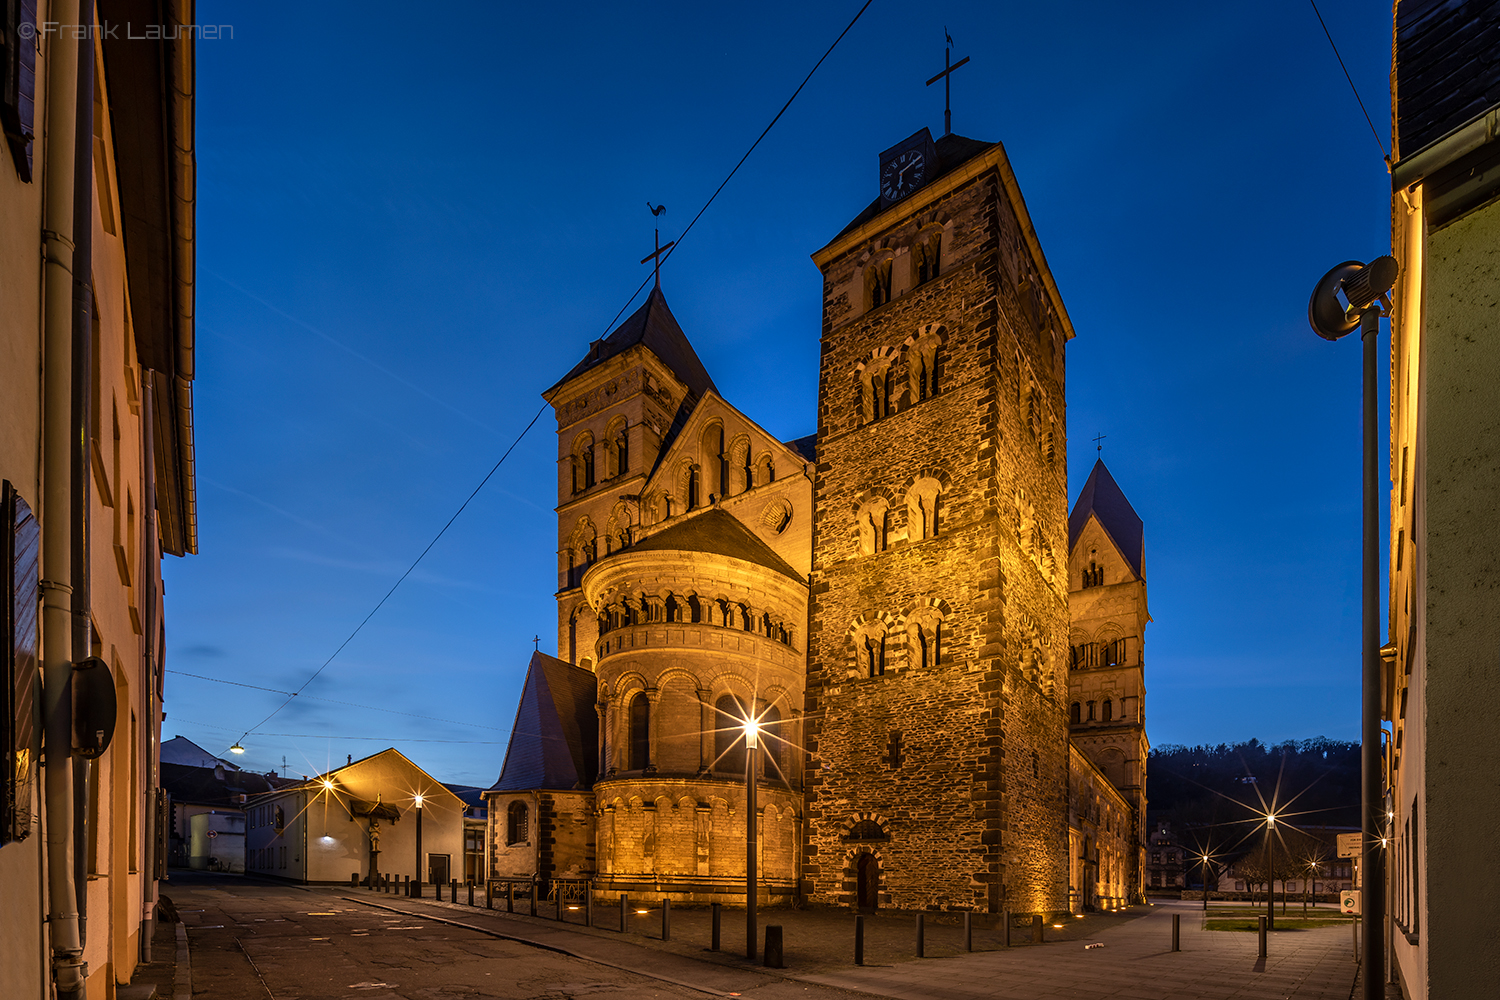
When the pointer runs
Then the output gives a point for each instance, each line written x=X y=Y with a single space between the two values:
x=903 y=174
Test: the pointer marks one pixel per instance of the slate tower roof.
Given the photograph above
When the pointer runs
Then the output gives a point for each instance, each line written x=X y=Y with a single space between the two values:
x=1102 y=497
x=652 y=326
x=555 y=741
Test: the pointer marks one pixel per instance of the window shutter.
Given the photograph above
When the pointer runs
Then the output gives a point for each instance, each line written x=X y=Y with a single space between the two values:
x=19 y=728
x=18 y=89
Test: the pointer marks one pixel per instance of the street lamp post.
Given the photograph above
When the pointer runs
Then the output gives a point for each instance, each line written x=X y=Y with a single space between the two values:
x=417 y=876
x=1205 y=883
x=752 y=732
x=1353 y=296
x=1270 y=875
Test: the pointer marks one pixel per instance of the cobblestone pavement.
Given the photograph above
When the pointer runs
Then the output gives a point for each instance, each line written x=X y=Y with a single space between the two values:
x=1135 y=961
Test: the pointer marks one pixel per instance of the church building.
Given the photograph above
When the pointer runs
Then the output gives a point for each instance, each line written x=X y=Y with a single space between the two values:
x=900 y=602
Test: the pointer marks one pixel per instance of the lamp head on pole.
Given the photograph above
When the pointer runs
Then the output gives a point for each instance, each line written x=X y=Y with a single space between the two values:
x=1341 y=296
x=417 y=799
x=752 y=734
x=236 y=749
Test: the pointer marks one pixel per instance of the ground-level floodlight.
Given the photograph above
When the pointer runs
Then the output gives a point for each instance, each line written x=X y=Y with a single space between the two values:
x=1349 y=296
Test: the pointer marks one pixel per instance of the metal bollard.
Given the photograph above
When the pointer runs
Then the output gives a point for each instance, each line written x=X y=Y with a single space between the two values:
x=408 y=886
x=624 y=912
x=859 y=939
x=921 y=934
x=1262 y=936
x=471 y=893
x=533 y=897
x=510 y=896
x=489 y=895
x=416 y=888
x=354 y=880
x=773 y=957
x=1036 y=928
x=453 y=891
x=1176 y=932
x=557 y=891
x=666 y=920
x=588 y=903
x=715 y=945
x=968 y=930
x=1005 y=919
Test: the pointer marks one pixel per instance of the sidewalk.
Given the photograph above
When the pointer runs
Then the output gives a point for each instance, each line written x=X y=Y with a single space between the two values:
x=1135 y=962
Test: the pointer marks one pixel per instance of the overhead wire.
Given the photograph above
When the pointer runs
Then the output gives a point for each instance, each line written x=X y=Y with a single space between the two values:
x=664 y=257
x=1378 y=141
x=335 y=701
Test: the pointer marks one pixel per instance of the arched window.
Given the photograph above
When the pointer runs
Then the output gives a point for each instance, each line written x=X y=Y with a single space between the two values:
x=878 y=283
x=517 y=823
x=926 y=255
x=875 y=654
x=772 y=757
x=640 y=732
x=866 y=829
x=1091 y=711
x=874 y=525
x=1114 y=653
x=583 y=462
x=922 y=362
x=922 y=509
x=694 y=487
x=765 y=471
x=1075 y=713
x=715 y=461
x=740 y=473
x=875 y=389
x=729 y=735
x=924 y=637
x=1109 y=710
x=622 y=448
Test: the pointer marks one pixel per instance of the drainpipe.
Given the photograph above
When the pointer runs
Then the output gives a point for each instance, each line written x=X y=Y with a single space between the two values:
x=58 y=148
x=82 y=431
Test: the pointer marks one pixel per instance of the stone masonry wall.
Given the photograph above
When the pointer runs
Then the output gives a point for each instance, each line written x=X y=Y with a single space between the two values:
x=955 y=772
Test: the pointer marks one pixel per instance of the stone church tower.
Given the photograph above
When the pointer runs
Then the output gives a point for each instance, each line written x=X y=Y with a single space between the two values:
x=1107 y=676
x=937 y=731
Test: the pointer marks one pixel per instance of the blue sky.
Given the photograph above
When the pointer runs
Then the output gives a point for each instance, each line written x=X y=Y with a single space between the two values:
x=409 y=226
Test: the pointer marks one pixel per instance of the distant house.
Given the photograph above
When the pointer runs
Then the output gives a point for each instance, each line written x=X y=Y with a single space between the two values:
x=207 y=829
x=476 y=813
x=1167 y=860
x=378 y=815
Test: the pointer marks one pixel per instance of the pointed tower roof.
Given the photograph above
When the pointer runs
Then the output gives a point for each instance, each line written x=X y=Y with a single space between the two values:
x=652 y=326
x=555 y=741
x=1103 y=498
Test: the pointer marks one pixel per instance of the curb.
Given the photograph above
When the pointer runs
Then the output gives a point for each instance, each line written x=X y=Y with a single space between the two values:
x=182 y=977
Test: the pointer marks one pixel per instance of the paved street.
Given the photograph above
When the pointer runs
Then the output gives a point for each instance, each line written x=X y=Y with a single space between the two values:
x=257 y=940
x=252 y=940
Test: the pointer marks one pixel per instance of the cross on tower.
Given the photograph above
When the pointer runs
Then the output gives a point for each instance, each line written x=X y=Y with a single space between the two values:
x=656 y=239
x=947 y=82
x=1098 y=438
x=536 y=640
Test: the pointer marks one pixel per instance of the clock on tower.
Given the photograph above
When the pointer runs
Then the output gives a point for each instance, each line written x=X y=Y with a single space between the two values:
x=906 y=166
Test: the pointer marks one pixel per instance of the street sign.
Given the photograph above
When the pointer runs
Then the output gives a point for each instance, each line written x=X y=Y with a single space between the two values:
x=1349 y=901
x=1349 y=845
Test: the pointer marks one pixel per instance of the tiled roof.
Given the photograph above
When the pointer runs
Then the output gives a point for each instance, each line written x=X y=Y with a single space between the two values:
x=807 y=447
x=719 y=532
x=652 y=326
x=202 y=785
x=1447 y=67
x=1102 y=497
x=555 y=741
x=952 y=151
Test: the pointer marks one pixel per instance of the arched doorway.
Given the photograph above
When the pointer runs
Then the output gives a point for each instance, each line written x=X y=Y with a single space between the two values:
x=867 y=881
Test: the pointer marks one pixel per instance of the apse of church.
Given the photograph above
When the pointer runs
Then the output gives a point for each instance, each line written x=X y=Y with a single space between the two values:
x=937 y=731
x=684 y=541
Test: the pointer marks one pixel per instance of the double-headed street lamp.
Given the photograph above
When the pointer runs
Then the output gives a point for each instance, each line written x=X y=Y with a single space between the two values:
x=1349 y=296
